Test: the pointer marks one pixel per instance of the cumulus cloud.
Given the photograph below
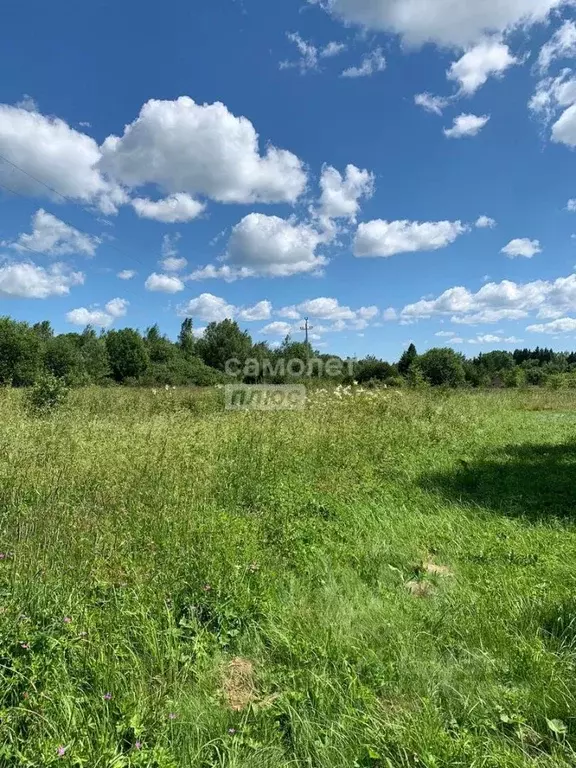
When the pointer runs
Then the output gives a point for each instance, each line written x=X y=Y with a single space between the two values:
x=210 y=308
x=371 y=63
x=431 y=103
x=101 y=318
x=341 y=195
x=522 y=246
x=126 y=274
x=466 y=126
x=268 y=246
x=55 y=238
x=561 y=325
x=260 y=311
x=170 y=261
x=496 y=302
x=171 y=210
x=561 y=45
x=62 y=159
x=387 y=238
x=163 y=283
x=472 y=70
x=440 y=21
x=277 y=328
x=485 y=222
x=330 y=309
x=201 y=150
x=25 y=280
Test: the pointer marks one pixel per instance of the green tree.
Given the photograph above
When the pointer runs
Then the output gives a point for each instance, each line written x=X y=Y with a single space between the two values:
x=442 y=366
x=186 y=340
x=160 y=348
x=127 y=354
x=224 y=342
x=371 y=368
x=408 y=357
x=21 y=351
x=95 y=356
x=63 y=358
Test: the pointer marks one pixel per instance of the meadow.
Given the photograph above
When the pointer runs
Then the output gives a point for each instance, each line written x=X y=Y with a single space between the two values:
x=384 y=579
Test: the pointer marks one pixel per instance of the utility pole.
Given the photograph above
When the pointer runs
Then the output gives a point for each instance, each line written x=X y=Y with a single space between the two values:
x=306 y=328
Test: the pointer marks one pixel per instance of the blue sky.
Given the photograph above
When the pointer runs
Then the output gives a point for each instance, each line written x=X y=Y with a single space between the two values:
x=268 y=161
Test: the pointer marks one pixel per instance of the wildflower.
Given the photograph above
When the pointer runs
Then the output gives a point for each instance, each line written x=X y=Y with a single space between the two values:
x=206 y=587
x=172 y=716
x=107 y=696
x=167 y=387
x=231 y=731
x=138 y=745
x=2 y=555
x=254 y=567
x=61 y=751
x=26 y=646
x=154 y=391
x=67 y=620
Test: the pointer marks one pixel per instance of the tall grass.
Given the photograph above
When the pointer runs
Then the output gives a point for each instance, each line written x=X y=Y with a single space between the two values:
x=186 y=586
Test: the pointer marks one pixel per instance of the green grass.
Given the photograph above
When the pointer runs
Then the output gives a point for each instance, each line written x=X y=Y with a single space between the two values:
x=184 y=586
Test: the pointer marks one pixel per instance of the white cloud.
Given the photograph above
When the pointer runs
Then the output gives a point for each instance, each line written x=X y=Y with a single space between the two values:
x=208 y=308
x=341 y=196
x=55 y=238
x=27 y=103
x=390 y=314
x=495 y=302
x=60 y=157
x=269 y=246
x=102 y=318
x=171 y=210
x=485 y=222
x=174 y=264
x=84 y=316
x=562 y=325
x=260 y=311
x=117 y=307
x=522 y=246
x=205 y=151
x=164 y=283
x=489 y=57
x=571 y=205
x=277 y=328
x=561 y=45
x=371 y=63
x=444 y=22
x=342 y=318
x=386 y=238
x=310 y=54
x=552 y=94
x=564 y=129
x=332 y=49
x=25 y=280
x=445 y=334
x=126 y=274
x=434 y=104
x=466 y=125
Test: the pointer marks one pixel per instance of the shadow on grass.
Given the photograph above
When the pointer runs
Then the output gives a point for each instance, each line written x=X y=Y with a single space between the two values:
x=536 y=481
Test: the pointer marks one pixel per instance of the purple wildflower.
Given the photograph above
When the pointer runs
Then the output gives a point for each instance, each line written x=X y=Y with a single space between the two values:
x=138 y=745
x=107 y=696
x=61 y=751
x=26 y=646
x=67 y=620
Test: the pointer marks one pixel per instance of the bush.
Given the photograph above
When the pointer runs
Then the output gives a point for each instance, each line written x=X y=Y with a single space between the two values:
x=47 y=395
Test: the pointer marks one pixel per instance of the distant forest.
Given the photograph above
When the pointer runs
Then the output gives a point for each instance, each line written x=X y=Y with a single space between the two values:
x=129 y=357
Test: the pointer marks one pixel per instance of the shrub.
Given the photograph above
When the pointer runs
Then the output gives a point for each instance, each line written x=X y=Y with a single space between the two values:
x=47 y=395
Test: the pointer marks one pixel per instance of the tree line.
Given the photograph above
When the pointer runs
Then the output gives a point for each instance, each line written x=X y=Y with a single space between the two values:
x=129 y=357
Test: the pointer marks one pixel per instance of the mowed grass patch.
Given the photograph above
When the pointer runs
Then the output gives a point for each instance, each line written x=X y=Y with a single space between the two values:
x=379 y=580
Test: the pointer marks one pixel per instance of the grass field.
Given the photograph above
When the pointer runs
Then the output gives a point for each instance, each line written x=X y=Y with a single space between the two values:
x=379 y=580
